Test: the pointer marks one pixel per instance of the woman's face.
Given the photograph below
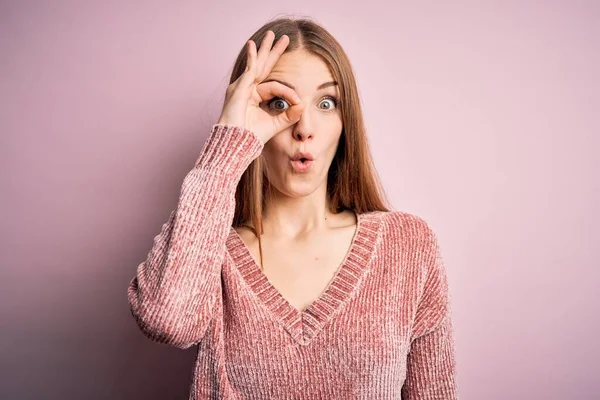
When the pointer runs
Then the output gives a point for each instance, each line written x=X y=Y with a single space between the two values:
x=317 y=132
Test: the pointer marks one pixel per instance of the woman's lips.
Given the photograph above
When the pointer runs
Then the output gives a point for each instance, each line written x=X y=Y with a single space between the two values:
x=300 y=166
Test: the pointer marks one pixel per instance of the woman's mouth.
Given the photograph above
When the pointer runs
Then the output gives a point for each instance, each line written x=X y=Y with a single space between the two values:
x=301 y=165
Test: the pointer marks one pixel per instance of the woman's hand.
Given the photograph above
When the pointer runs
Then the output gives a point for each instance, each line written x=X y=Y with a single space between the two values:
x=244 y=100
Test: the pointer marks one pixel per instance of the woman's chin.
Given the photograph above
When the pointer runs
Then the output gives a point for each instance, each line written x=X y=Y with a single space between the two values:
x=299 y=188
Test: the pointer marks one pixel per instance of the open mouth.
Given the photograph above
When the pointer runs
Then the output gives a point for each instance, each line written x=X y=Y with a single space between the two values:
x=302 y=164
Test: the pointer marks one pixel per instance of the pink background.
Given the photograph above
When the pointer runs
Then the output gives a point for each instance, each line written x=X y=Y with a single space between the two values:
x=482 y=116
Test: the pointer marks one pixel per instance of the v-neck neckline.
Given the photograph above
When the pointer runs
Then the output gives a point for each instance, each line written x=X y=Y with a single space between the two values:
x=304 y=325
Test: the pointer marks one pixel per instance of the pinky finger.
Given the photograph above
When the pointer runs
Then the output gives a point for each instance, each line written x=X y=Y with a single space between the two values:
x=251 y=52
x=249 y=74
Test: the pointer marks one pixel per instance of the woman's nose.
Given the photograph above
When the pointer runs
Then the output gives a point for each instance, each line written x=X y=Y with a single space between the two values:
x=304 y=127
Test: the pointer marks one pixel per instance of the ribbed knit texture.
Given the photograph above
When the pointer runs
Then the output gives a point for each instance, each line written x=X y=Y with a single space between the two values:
x=382 y=328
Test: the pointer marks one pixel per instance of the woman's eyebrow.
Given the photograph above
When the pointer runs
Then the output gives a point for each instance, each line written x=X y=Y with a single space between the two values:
x=321 y=86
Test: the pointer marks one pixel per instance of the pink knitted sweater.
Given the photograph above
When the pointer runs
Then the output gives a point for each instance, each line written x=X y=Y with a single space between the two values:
x=382 y=328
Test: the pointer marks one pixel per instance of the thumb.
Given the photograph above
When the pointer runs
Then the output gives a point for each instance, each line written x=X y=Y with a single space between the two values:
x=290 y=116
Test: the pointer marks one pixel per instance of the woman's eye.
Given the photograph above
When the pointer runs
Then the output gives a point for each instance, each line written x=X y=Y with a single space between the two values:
x=278 y=104
x=330 y=103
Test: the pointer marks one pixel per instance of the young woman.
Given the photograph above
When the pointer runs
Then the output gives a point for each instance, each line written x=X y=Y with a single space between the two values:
x=281 y=261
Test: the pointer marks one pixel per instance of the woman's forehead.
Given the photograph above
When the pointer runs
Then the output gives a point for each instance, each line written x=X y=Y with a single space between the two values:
x=301 y=71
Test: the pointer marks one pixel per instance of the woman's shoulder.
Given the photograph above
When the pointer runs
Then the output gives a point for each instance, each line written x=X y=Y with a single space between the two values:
x=405 y=223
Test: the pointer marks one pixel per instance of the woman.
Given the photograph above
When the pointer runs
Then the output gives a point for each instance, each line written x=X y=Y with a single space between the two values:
x=337 y=297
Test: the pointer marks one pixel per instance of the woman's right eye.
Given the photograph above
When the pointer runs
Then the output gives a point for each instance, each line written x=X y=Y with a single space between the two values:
x=278 y=104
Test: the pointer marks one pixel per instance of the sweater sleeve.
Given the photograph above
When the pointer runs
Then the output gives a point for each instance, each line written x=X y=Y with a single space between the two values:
x=431 y=365
x=174 y=291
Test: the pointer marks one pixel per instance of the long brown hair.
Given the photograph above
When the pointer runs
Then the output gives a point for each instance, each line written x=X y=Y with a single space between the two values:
x=352 y=181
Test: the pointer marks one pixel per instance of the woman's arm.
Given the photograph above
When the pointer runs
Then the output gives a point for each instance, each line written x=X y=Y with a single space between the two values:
x=174 y=291
x=431 y=368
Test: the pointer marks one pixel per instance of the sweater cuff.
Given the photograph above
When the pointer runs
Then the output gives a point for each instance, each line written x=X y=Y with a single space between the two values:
x=229 y=150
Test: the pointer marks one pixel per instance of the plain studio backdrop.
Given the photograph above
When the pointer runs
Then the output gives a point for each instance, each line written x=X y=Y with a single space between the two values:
x=482 y=118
